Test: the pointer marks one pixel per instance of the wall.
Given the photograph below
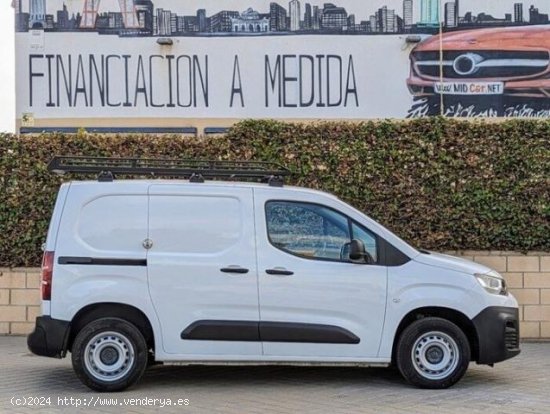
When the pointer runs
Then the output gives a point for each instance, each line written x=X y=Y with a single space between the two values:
x=528 y=277
x=354 y=59
x=19 y=300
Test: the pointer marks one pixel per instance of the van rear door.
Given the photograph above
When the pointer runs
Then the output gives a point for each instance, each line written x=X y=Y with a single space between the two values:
x=202 y=270
x=99 y=255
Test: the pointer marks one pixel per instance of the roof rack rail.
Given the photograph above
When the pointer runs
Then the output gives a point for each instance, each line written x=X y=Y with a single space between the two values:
x=195 y=170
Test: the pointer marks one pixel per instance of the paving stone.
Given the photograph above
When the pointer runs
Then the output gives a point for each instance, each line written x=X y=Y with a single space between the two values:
x=517 y=386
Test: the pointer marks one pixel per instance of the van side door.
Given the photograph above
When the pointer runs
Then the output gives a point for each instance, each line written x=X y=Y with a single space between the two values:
x=315 y=303
x=202 y=270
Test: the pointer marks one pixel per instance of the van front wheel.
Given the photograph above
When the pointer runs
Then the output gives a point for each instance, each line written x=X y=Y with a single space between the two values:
x=433 y=353
x=109 y=354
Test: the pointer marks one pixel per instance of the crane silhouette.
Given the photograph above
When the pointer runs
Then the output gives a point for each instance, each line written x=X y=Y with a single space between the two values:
x=91 y=9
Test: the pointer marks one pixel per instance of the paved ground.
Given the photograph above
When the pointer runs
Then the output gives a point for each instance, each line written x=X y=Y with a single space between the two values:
x=521 y=385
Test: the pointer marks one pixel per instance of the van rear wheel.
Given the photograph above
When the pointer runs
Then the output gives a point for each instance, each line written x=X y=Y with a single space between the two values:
x=433 y=353
x=109 y=354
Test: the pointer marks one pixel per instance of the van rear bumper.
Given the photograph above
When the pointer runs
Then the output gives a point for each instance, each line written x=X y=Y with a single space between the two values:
x=49 y=337
x=498 y=334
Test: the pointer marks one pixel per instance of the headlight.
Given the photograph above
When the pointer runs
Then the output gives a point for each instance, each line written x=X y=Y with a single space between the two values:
x=493 y=283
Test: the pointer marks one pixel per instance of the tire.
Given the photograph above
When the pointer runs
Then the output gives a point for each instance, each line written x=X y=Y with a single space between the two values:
x=433 y=353
x=109 y=354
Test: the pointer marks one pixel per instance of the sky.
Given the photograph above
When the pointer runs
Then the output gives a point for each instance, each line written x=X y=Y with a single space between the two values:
x=7 y=68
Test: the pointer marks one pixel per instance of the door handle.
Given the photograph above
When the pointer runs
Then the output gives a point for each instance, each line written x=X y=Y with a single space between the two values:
x=279 y=271
x=234 y=269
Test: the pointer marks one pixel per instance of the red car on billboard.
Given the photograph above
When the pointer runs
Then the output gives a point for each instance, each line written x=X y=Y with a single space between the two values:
x=510 y=62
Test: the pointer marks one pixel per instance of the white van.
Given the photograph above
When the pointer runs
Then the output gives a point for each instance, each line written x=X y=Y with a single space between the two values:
x=209 y=272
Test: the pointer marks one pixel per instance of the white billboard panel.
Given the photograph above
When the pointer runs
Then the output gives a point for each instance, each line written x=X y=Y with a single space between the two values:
x=168 y=62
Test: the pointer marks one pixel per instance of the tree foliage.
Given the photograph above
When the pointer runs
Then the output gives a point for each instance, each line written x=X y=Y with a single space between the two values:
x=437 y=183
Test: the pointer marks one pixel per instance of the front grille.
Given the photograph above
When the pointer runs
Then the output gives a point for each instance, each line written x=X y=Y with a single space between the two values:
x=495 y=72
x=511 y=335
x=481 y=64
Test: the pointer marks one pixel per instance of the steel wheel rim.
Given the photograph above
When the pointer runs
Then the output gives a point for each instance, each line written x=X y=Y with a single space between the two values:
x=435 y=355
x=109 y=356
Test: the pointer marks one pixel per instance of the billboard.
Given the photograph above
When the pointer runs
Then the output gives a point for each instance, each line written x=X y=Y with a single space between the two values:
x=170 y=63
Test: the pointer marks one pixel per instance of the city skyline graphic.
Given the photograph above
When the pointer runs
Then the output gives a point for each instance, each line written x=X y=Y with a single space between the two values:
x=130 y=18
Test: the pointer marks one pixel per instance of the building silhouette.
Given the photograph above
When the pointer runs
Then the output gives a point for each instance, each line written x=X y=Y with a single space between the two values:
x=429 y=12
x=385 y=20
x=450 y=14
x=163 y=22
x=49 y=22
x=145 y=11
x=63 y=21
x=537 y=18
x=518 y=12
x=187 y=24
x=294 y=9
x=334 y=18
x=351 y=22
x=21 y=18
x=109 y=20
x=308 y=17
x=277 y=18
x=37 y=14
x=201 y=20
x=407 y=13
x=141 y=18
x=316 y=18
x=250 y=21
x=221 y=21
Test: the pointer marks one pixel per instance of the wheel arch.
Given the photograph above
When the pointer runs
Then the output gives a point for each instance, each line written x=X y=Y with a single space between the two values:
x=452 y=315
x=110 y=309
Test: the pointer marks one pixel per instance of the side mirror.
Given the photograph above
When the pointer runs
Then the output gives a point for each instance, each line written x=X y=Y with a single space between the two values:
x=357 y=251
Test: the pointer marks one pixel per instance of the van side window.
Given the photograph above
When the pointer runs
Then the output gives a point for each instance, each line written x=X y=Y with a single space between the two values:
x=368 y=239
x=307 y=230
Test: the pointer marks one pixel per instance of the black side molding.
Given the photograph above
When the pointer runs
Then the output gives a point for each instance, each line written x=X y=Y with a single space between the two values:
x=218 y=330
x=211 y=330
x=306 y=332
x=72 y=260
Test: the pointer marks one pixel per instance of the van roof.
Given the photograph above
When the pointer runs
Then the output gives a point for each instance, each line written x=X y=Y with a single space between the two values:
x=208 y=183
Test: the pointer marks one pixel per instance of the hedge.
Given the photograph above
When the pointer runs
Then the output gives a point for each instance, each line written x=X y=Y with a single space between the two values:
x=438 y=183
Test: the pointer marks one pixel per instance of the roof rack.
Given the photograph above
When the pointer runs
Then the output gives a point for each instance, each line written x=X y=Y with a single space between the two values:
x=195 y=170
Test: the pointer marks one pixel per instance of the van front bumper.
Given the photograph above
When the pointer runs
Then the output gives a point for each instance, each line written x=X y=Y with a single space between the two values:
x=49 y=337
x=498 y=334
